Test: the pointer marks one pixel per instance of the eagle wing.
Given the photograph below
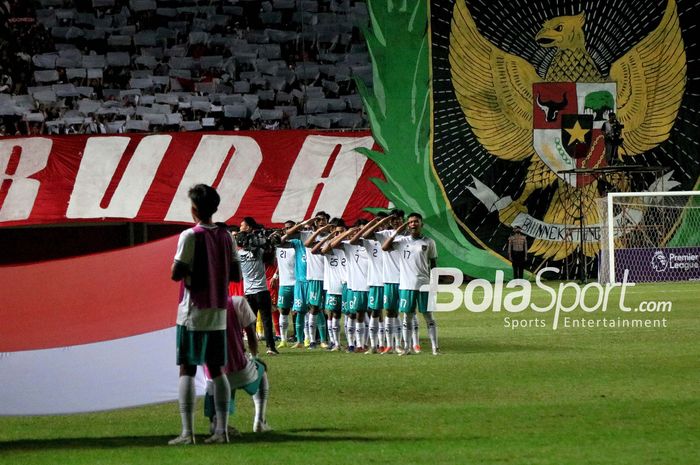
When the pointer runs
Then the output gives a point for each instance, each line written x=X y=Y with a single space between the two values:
x=650 y=84
x=494 y=89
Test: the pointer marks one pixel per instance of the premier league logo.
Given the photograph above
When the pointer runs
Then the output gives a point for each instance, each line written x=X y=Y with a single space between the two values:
x=659 y=262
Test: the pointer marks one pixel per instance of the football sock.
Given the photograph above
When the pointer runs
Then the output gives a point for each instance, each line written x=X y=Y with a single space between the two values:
x=350 y=331
x=186 y=397
x=432 y=329
x=374 y=334
x=284 y=326
x=416 y=335
x=322 y=327
x=312 y=328
x=407 y=329
x=360 y=332
x=300 y=327
x=222 y=398
x=260 y=399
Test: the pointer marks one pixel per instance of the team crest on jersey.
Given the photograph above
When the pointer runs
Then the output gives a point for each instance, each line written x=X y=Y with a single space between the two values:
x=424 y=247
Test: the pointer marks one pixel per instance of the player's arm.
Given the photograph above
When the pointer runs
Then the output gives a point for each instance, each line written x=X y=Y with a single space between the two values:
x=296 y=228
x=335 y=243
x=183 y=257
x=252 y=339
x=370 y=228
x=312 y=239
x=179 y=271
x=323 y=246
x=389 y=242
x=355 y=239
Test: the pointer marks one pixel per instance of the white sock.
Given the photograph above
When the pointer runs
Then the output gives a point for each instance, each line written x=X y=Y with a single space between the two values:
x=360 y=333
x=365 y=335
x=284 y=326
x=260 y=399
x=396 y=336
x=416 y=335
x=374 y=334
x=350 y=331
x=186 y=399
x=432 y=329
x=380 y=331
x=222 y=400
x=389 y=332
x=306 y=326
x=335 y=330
x=312 y=328
x=407 y=330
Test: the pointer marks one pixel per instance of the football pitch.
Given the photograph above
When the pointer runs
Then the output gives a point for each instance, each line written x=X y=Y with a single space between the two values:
x=591 y=394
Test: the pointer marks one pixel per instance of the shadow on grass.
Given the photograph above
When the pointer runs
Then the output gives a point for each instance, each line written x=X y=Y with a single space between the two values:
x=295 y=435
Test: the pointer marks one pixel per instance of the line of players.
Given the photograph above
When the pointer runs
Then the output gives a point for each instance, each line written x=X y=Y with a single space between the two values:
x=371 y=273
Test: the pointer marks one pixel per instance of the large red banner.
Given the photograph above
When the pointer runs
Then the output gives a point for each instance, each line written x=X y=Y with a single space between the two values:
x=272 y=176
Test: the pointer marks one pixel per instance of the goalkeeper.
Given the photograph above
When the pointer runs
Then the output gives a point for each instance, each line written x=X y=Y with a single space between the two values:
x=243 y=371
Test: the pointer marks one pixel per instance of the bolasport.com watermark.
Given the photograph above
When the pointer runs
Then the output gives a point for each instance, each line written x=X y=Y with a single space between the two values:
x=569 y=302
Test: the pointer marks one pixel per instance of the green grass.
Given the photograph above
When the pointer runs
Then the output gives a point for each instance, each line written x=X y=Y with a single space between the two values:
x=496 y=396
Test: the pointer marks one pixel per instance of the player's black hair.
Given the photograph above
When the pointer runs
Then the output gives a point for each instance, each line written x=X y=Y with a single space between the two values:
x=205 y=200
x=361 y=222
x=290 y=223
x=381 y=214
x=415 y=215
x=338 y=222
x=397 y=212
x=323 y=214
x=250 y=221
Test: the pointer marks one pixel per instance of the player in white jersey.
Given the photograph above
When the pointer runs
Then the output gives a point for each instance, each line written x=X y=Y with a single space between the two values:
x=380 y=230
x=375 y=283
x=335 y=283
x=418 y=256
x=285 y=253
x=358 y=289
x=315 y=264
x=313 y=295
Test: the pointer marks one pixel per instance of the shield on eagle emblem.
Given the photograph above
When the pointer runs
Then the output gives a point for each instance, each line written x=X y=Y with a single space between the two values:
x=567 y=126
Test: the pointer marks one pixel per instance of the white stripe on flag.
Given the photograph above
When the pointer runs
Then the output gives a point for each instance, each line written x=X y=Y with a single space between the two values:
x=127 y=372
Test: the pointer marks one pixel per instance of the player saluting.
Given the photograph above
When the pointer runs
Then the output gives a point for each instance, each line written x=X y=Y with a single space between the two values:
x=418 y=256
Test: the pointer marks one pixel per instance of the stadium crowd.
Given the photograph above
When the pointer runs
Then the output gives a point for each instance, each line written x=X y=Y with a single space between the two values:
x=113 y=66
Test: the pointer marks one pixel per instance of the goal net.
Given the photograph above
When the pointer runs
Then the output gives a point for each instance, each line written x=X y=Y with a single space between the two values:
x=653 y=235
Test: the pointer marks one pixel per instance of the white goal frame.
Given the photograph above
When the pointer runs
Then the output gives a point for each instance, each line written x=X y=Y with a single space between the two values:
x=611 y=219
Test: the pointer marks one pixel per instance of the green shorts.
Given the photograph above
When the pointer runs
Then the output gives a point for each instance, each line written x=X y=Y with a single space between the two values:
x=409 y=300
x=358 y=301
x=250 y=388
x=316 y=292
x=376 y=298
x=301 y=296
x=391 y=296
x=285 y=297
x=333 y=302
x=347 y=295
x=200 y=347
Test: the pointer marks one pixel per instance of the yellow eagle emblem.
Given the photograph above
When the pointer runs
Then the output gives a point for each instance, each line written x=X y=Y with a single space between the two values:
x=495 y=91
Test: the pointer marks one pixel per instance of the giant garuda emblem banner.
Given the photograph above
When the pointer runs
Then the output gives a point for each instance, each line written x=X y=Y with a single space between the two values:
x=520 y=94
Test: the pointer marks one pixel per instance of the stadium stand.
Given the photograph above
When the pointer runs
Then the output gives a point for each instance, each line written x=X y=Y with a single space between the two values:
x=113 y=66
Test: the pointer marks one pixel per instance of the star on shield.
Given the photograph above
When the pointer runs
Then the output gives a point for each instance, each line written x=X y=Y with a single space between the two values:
x=576 y=133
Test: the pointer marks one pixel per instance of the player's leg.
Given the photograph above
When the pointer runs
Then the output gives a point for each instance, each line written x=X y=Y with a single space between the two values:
x=187 y=360
x=215 y=358
x=285 y=302
x=416 y=334
x=406 y=308
x=430 y=322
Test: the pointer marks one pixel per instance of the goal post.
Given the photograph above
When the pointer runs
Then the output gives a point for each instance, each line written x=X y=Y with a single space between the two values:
x=655 y=236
